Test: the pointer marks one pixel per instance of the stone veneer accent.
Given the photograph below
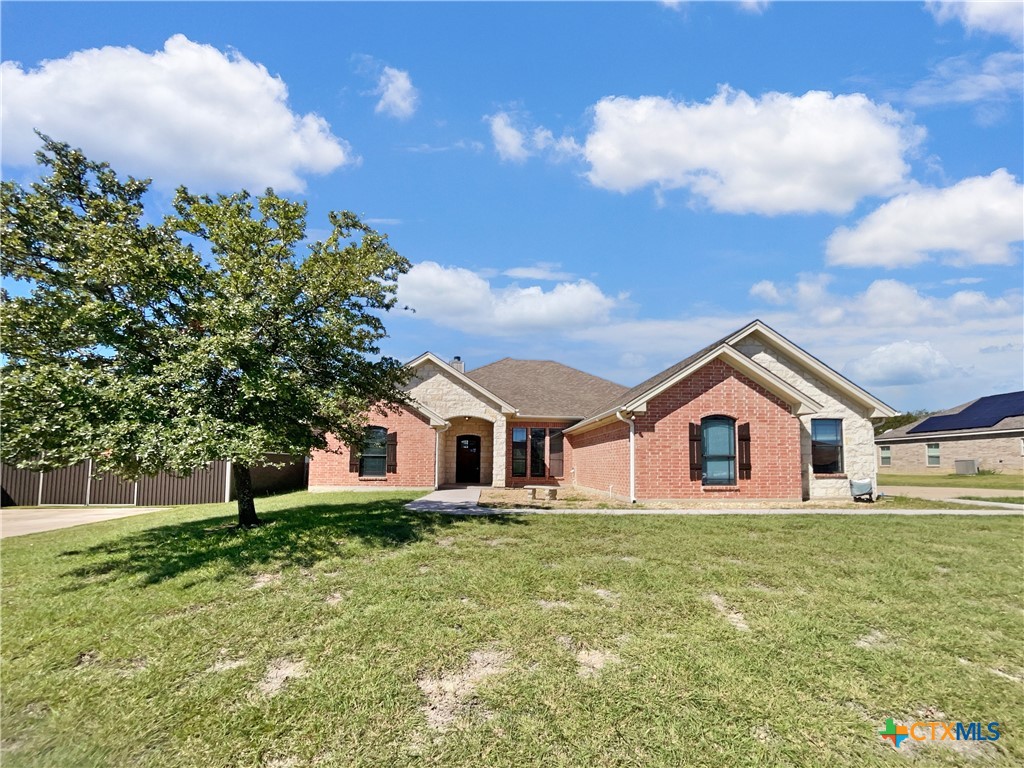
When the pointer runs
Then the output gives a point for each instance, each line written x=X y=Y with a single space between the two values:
x=441 y=392
x=858 y=432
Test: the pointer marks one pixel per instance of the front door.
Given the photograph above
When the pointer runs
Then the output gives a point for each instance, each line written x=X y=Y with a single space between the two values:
x=467 y=459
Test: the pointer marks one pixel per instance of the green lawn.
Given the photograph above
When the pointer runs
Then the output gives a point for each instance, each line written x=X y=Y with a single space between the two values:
x=1003 y=481
x=351 y=632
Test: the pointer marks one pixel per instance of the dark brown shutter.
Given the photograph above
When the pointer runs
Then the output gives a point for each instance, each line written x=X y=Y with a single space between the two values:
x=743 y=433
x=392 y=452
x=353 y=459
x=696 y=463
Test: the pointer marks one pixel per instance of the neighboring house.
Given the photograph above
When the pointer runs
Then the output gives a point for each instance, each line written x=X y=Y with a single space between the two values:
x=751 y=416
x=987 y=433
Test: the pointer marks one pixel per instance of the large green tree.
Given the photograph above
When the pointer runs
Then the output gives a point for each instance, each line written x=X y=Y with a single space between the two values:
x=218 y=333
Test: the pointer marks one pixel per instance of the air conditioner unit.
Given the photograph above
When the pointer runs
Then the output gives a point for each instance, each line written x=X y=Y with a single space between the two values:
x=966 y=466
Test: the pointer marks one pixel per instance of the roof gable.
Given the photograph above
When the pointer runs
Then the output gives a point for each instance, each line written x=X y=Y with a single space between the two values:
x=724 y=349
x=836 y=380
x=471 y=385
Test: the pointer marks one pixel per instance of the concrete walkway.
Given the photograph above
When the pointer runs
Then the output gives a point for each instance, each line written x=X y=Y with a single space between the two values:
x=465 y=501
x=461 y=500
x=18 y=522
x=943 y=494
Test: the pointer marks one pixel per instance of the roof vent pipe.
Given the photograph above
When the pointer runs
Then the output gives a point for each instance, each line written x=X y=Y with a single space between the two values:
x=457 y=364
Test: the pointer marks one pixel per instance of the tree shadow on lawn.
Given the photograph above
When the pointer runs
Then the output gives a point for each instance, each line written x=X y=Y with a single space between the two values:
x=301 y=535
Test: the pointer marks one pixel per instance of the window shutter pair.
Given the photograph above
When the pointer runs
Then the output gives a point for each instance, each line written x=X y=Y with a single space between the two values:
x=743 y=446
x=391 y=455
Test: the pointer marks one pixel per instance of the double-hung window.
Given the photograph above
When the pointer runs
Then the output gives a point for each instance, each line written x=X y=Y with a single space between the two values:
x=932 y=453
x=827 y=446
x=718 y=440
x=373 y=460
x=885 y=455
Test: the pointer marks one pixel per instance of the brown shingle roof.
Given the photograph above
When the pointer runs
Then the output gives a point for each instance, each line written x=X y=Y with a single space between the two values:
x=624 y=397
x=545 y=388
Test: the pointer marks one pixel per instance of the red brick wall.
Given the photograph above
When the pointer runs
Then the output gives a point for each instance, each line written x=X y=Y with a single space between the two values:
x=662 y=438
x=601 y=458
x=563 y=479
x=415 y=456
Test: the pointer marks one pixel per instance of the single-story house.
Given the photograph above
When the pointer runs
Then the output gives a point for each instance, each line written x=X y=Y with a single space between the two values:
x=750 y=417
x=987 y=433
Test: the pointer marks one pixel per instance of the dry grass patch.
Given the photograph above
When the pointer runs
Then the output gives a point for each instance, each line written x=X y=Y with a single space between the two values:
x=554 y=605
x=449 y=696
x=263 y=580
x=875 y=640
x=731 y=615
x=279 y=673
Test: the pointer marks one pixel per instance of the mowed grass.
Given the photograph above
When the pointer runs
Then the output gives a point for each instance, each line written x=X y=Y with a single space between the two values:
x=352 y=632
x=1009 y=481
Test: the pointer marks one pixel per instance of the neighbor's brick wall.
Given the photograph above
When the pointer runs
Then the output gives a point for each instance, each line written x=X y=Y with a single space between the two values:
x=601 y=459
x=415 y=454
x=1001 y=454
x=717 y=389
x=858 y=432
x=548 y=479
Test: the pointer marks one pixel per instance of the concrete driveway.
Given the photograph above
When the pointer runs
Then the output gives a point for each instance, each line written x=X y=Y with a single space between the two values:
x=18 y=522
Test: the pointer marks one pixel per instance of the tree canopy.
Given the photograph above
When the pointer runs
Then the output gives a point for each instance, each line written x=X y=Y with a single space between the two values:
x=218 y=333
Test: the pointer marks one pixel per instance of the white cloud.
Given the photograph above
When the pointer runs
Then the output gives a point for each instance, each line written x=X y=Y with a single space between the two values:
x=899 y=363
x=542 y=270
x=963 y=281
x=459 y=298
x=999 y=18
x=509 y=141
x=515 y=142
x=960 y=80
x=398 y=97
x=977 y=221
x=754 y=6
x=774 y=154
x=187 y=114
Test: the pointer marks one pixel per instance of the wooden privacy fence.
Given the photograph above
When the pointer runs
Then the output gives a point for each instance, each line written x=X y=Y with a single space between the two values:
x=78 y=485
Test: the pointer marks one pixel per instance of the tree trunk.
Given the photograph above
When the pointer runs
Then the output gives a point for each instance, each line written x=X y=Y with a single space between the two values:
x=243 y=489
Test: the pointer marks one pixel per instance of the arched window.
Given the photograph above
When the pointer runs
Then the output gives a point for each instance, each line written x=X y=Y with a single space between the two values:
x=373 y=461
x=718 y=443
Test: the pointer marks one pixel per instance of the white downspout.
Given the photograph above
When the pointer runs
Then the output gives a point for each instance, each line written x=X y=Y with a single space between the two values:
x=437 y=455
x=632 y=454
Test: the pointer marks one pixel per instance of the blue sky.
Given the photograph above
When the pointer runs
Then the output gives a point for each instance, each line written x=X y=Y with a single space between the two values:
x=609 y=185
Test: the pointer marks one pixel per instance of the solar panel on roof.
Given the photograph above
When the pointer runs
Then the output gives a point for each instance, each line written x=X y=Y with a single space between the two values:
x=984 y=412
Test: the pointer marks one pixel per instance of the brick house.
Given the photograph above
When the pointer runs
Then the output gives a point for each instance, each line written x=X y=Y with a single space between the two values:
x=987 y=433
x=751 y=416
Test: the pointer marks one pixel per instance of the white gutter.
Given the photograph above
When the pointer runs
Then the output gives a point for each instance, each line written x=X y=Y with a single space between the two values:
x=632 y=454
x=437 y=455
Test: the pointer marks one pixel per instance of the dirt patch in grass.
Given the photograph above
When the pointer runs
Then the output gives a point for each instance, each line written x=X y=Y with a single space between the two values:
x=450 y=696
x=279 y=673
x=1016 y=677
x=554 y=605
x=592 y=660
x=335 y=598
x=86 y=659
x=763 y=733
x=875 y=640
x=499 y=542
x=631 y=559
x=731 y=615
x=223 y=665
x=446 y=541
x=265 y=580
x=607 y=595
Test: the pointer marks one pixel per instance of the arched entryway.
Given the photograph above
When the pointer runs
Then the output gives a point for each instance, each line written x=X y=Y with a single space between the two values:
x=467 y=459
